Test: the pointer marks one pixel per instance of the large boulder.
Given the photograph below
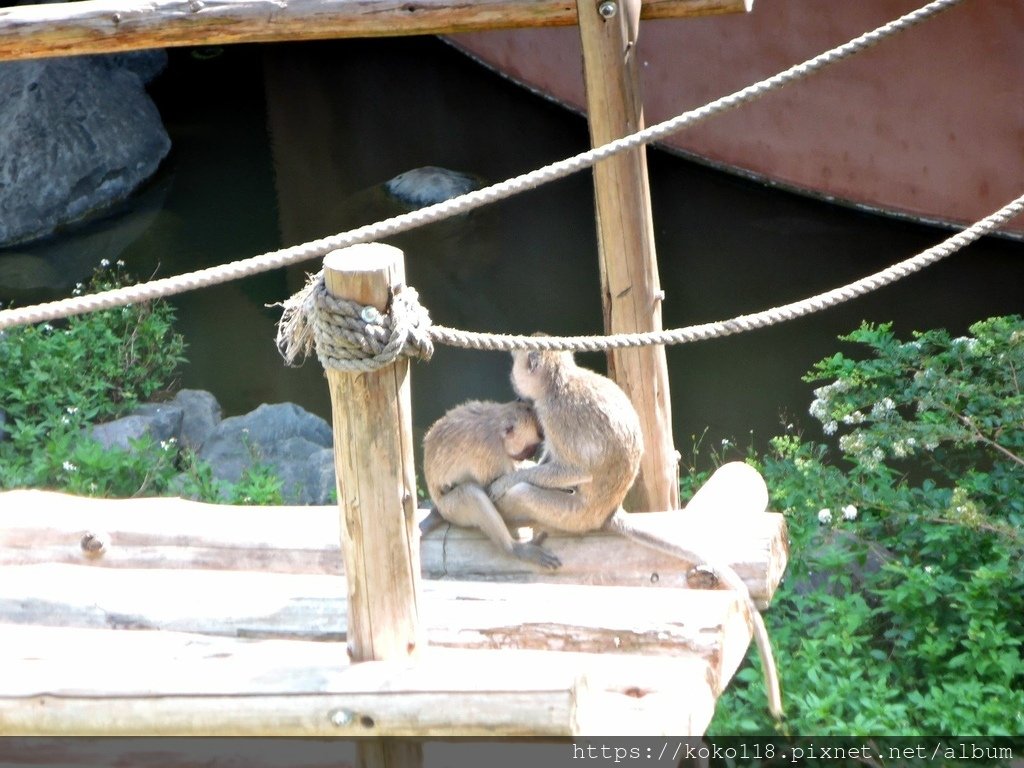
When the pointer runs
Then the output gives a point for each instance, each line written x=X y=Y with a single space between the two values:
x=76 y=135
x=295 y=444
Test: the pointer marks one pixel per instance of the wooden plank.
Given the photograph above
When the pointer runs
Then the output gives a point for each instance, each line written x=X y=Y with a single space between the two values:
x=103 y=26
x=630 y=288
x=42 y=527
x=373 y=457
x=712 y=625
x=166 y=683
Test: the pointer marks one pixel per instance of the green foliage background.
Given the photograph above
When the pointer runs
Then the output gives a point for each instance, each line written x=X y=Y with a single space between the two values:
x=902 y=611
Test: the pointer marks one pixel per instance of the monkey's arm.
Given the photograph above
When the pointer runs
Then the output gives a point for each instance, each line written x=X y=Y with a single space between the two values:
x=467 y=505
x=550 y=476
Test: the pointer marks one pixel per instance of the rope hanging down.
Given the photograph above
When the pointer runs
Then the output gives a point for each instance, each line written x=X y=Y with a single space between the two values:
x=170 y=286
x=406 y=329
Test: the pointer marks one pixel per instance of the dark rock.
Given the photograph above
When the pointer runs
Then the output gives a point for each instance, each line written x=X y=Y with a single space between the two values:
x=429 y=185
x=118 y=434
x=201 y=413
x=165 y=420
x=286 y=438
x=76 y=134
x=159 y=421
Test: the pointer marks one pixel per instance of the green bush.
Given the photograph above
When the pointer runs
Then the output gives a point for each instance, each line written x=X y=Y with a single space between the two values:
x=60 y=378
x=902 y=611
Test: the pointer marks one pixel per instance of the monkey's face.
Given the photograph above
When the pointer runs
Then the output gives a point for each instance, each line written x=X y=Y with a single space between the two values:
x=521 y=433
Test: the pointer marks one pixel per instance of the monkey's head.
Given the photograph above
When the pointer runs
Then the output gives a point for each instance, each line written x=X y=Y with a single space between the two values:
x=534 y=372
x=521 y=434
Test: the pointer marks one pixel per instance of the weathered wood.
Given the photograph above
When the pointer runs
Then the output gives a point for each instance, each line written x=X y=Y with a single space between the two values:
x=712 y=625
x=45 y=527
x=630 y=287
x=102 y=682
x=373 y=459
x=102 y=26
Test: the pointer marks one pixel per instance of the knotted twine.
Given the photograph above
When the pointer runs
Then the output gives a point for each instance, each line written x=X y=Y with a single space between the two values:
x=349 y=336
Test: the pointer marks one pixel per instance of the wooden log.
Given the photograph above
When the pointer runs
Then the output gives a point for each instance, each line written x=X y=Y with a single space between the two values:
x=44 y=527
x=104 y=26
x=711 y=625
x=630 y=288
x=376 y=478
x=61 y=681
x=373 y=458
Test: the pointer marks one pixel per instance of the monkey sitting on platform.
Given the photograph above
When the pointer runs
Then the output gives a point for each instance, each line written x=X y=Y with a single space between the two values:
x=592 y=449
x=466 y=450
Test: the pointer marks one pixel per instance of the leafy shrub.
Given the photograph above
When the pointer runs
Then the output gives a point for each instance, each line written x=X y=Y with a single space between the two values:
x=903 y=606
x=59 y=378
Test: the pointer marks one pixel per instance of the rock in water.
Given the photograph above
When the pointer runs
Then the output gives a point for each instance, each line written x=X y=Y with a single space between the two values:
x=76 y=134
x=429 y=185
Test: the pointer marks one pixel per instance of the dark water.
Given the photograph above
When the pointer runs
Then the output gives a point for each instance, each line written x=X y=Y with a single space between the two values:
x=280 y=144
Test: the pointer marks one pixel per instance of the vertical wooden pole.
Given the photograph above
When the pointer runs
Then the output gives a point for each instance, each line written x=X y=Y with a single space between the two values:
x=631 y=289
x=373 y=457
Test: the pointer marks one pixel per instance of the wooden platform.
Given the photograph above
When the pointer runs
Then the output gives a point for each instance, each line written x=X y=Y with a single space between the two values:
x=201 y=619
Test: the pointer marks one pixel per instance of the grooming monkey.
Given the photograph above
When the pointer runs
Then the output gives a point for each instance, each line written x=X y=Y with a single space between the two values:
x=593 y=445
x=464 y=452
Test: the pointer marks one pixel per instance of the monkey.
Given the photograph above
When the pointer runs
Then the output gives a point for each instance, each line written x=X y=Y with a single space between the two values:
x=592 y=449
x=464 y=452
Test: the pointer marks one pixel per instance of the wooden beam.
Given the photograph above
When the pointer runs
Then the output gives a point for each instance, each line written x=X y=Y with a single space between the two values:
x=373 y=459
x=710 y=625
x=47 y=527
x=104 y=26
x=630 y=288
x=61 y=681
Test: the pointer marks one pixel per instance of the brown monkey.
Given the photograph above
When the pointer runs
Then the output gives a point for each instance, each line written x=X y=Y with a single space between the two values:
x=593 y=445
x=464 y=452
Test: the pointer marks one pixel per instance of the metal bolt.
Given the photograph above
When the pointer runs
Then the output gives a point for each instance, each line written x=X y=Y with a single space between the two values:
x=608 y=9
x=370 y=315
x=341 y=718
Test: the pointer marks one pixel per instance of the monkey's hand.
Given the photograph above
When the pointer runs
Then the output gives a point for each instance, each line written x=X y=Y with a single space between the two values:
x=531 y=552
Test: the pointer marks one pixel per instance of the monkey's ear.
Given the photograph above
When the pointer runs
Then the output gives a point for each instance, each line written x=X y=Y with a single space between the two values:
x=508 y=429
x=533 y=361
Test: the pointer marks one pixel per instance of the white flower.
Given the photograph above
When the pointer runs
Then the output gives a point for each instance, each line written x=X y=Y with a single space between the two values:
x=69 y=467
x=72 y=409
x=882 y=409
x=849 y=512
x=830 y=428
x=120 y=262
x=104 y=263
x=825 y=516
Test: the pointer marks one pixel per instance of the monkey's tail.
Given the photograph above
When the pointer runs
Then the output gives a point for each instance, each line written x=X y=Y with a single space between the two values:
x=621 y=524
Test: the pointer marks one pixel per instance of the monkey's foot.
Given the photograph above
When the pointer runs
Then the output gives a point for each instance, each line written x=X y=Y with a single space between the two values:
x=534 y=553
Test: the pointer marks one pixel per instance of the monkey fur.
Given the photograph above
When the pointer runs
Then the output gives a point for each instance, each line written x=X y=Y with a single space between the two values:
x=464 y=452
x=593 y=445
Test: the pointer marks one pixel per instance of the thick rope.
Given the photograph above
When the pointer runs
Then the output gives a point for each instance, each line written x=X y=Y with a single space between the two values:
x=822 y=301
x=317 y=248
x=368 y=340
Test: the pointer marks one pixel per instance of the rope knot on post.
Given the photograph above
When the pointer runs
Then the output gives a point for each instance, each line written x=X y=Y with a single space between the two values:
x=349 y=336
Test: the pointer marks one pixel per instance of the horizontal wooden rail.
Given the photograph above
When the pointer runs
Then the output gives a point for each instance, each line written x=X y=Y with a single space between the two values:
x=47 y=527
x=105 y=26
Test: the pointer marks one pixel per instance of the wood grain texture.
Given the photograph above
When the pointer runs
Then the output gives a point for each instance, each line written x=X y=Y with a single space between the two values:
x=373 y=458
x=630 y=286
x=103 y=26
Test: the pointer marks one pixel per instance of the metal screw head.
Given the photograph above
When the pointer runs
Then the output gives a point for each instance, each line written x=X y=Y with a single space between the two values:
x=608 y=9
x=341 y=718
x=370 y=315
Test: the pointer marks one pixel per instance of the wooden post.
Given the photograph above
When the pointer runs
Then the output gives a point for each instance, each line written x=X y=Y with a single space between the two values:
x=630 y=288
x=373 y=458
